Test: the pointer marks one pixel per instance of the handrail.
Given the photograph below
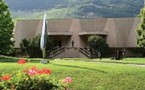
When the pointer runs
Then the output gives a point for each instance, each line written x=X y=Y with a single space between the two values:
x=57 y=51
x=85 y=51
x=88 y=53
x=49 y=51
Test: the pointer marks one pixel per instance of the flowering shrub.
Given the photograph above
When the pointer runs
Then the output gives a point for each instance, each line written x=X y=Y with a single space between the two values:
x=33 y=71
x=22 y=61
x=32 y=78
x=6 y=77
x=65 y=82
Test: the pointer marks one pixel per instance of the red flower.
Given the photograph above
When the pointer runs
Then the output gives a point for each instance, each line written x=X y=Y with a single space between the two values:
x=34 y=68
x=6 y=77
x=46 y=71
x=40 y=72
x=22 y=61
x=67 y=80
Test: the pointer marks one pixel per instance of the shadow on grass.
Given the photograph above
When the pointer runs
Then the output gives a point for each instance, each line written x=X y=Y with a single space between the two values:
x=79 y=67
x=8 y=60
x=109 y=61
x=15 y=60
x=116 y=62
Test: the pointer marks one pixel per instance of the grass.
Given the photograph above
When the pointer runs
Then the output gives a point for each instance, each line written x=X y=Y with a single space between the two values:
x=140 y=61
x=92 y=74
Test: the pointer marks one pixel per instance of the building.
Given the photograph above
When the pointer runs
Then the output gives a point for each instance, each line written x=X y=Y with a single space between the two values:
x=71 y=34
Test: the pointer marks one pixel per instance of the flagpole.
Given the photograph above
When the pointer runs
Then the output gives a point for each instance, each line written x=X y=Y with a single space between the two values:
x=43 y=53
x=43 y=39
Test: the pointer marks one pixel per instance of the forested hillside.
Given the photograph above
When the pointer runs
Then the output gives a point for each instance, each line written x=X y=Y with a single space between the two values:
x=31 y=9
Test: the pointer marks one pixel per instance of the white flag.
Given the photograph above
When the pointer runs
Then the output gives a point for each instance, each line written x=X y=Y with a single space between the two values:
x=44 y=34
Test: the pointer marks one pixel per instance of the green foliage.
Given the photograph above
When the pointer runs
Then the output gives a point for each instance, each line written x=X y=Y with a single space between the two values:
x=24 y=45
x=93 y=75
x=26 y=9
x=6 y=29
x=30 y=79
x=24 y=82
x=98 y=43
x=141 y=29
x=32 y=46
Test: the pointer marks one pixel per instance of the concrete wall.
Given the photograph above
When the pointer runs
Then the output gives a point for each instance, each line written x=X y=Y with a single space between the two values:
x=119 y=32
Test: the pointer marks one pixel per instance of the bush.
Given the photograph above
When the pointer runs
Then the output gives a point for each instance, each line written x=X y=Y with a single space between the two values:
x=32 y=78
x=31 y=47
x=99 y=44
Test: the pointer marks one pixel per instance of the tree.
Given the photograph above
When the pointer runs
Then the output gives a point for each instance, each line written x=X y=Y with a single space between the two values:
x=31 y=47
x=141 y=29
x=6 y=29
x=99 y=44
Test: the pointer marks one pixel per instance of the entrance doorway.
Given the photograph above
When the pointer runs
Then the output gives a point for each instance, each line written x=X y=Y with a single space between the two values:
x=58 y=44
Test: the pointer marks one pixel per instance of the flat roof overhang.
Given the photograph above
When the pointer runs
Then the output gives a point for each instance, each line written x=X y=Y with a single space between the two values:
x=93 y=33
x=60 y=33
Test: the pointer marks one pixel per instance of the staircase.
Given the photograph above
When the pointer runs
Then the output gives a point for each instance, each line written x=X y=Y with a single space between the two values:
x=86 y=52
x=71 y=52
x=63 y=52
x=56 y=52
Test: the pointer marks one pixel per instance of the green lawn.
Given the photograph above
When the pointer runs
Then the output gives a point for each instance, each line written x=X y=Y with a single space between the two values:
x=91 y=74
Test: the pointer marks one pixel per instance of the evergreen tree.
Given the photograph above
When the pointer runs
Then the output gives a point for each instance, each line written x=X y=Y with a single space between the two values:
x=6 y=29
x=141 y=29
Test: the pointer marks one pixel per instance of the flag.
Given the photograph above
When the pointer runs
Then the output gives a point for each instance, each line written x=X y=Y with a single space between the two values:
x=44 y=34
x=43 y=39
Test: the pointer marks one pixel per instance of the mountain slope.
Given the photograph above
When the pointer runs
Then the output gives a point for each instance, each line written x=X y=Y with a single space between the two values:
x=28 y=9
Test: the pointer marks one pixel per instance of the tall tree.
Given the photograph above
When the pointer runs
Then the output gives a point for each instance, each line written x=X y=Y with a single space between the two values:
x=141 y=29
x=6 y=29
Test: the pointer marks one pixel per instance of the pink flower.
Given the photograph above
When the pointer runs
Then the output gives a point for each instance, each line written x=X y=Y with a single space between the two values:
x=31 y=71
x=67 y=80
x=34 y=71
x=22 y=61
